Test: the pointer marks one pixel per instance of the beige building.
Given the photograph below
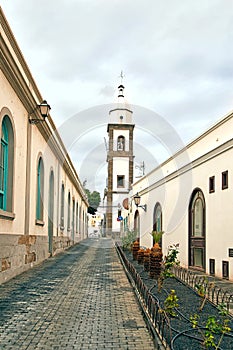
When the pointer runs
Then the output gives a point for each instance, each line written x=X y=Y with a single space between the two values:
x=43 y=206
x=190 y=198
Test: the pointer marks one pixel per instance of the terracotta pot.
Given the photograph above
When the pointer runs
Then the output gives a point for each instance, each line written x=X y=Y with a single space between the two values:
x=155 y=261
x=136 y=247
x=140 y=256
x=146 y=260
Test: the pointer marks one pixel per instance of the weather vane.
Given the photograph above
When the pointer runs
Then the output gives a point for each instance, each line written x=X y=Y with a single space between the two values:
x=141 y=168
x=122 y=76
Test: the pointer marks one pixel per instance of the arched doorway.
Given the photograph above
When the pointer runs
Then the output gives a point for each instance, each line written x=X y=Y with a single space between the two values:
x=51 y=211
x=197 y=230
x=157 y=220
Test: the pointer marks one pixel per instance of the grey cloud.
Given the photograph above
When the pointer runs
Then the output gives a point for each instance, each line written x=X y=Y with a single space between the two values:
x=177 y=58
x=107 y=91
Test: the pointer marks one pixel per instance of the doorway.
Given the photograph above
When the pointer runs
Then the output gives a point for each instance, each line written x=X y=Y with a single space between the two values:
x=197 y=229
x=51 y=211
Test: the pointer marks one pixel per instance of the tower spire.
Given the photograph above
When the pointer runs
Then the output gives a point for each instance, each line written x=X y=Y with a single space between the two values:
x=121 y=86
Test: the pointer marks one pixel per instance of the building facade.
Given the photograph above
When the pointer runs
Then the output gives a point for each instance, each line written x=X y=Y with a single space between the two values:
x=190 y=198
x=43 y=206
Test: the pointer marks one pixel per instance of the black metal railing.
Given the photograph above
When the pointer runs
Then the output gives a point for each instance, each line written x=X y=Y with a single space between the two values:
x=150 y=303
x=168 y=336
x=214 y=293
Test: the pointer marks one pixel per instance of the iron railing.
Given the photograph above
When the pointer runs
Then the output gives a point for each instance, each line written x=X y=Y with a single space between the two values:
x=150 y=304
x=214 y=293
x=166 y=336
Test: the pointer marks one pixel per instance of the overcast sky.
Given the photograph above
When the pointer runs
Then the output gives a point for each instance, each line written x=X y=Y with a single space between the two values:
x=177 y=57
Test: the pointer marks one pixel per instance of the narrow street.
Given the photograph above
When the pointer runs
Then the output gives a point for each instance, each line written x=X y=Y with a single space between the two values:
x=80 y=299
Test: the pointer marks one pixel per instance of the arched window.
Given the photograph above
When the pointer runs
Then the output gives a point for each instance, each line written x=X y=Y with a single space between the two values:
x=121 y=143
x=80 y=220
x=68 y=213
x=40 y=190
x=73 y=216
x=197 y=230
x=51 y=211
x=83 y=225
x=77 y=227
x=6 y=164
x=137 y=223
x=198 y=216
x=62 y=222
x=157 y=220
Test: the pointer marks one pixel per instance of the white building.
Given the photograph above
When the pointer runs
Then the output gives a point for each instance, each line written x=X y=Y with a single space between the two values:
x=43 y=207
x=190 y=198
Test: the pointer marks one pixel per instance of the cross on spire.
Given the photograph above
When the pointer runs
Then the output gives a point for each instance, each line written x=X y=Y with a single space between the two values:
x=122 y=76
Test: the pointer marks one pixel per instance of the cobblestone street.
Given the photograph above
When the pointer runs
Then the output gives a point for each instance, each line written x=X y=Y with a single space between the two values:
x=80 y=299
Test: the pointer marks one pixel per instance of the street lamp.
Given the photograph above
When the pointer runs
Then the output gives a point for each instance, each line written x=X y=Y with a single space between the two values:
x=137 y=200
x=44 y=108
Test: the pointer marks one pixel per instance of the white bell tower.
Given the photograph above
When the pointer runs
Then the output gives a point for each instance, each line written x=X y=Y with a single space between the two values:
x=120 y=159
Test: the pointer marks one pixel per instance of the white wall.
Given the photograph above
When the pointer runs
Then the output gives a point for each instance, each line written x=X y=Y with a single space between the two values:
x=211 y=154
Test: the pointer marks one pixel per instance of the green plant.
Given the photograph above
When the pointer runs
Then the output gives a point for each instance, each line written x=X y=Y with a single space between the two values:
x=214 y=329
x=201 y=291
x=170 y=260
x=157 y=236
x=128 y=239
x=170 y=303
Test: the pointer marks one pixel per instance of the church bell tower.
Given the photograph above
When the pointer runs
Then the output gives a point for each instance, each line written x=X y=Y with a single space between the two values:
x=120 y=159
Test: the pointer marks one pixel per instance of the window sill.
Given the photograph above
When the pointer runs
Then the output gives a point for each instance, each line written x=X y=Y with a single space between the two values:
x=39 y=222
x=6 y=215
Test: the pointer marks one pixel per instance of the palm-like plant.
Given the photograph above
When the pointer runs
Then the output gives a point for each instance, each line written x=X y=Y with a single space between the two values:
x=157 y=236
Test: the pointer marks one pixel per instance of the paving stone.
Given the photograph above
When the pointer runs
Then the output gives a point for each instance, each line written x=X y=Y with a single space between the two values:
x=80 y=299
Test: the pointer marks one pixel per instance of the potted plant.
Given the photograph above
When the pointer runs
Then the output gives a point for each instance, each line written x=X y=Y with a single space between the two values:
x=157 y=236
x=156 y=255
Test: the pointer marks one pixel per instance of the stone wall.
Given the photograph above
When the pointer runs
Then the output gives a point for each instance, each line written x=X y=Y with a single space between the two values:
x=19 y=253
x=60 y=244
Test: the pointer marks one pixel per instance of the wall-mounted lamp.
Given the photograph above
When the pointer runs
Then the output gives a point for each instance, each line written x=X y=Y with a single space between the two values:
x=137 y=200
x=44 y=108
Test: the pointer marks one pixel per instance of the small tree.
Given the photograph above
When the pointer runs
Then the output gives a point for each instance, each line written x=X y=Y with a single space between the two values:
x=93 y=199
x=169 y=261
x=129 y=239
x=171 y=303
x=214 y=329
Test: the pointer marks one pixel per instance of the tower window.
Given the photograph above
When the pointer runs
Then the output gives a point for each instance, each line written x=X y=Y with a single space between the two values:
x=121 y=143
x=224 y=180
x=120 y=180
